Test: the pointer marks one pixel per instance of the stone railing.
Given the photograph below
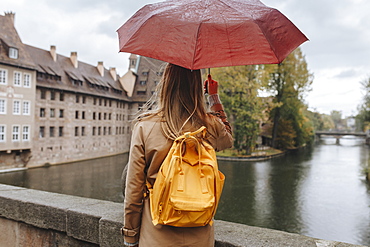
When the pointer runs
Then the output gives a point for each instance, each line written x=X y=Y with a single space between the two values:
x=37 y=218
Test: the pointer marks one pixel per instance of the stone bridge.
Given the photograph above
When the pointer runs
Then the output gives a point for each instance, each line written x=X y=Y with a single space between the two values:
x=37 y=218
x=340 y=134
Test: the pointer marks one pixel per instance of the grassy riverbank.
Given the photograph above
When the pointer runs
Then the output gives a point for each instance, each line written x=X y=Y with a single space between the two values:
x=266 y=152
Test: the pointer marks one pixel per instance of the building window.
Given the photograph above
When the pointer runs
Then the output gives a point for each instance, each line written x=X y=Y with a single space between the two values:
x=60 y=131
x=52 y=95
x=142 y=83
x=13 y=52
x=15 y=134
x=16 y=107
x=52 y=131
x=3 y=77
x=76 y=115
x=104 y=130
x=93 y=131
x=94 y=115
x=61 y=113
x=76 y=131
x=83 y=131
x=99 y=130
x=26 y=133
x=141 y=92
x=43 y=94
x=27 y=80
x=105 y=116
x=83 y=115
x=26 y=108
x=42 y=132
x=2 y=133
x=77 y=98
x=94 y=101
x=83 y=99
x=52 y=112
x=2 y=106
x=17 y=79
x=99 y=116
x=42 y=112
x=109 y=131
x=61 y=96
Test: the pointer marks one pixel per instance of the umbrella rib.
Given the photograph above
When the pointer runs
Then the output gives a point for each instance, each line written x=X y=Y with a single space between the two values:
x=195 y=46
x=228 y=36
x=197 y=36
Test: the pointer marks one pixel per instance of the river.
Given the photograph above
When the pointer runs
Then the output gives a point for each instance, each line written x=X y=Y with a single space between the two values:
x=319 y=192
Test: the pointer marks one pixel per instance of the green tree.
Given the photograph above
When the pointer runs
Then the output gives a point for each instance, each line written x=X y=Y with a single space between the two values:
x=316 y=119
x=336 y=116
x=363 y=117
x=289 y=81
x=320 y=121
x=238 y=92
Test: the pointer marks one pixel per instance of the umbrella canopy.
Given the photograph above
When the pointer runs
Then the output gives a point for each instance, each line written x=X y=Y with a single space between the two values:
x=199 y=34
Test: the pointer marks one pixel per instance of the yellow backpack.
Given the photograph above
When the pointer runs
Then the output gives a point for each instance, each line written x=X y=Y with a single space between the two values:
x=188 y=185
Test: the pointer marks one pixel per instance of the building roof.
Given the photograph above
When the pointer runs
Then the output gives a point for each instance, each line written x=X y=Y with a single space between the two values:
x=148 y=74
x=9 y=38
x=128 y=82
x=63 y=75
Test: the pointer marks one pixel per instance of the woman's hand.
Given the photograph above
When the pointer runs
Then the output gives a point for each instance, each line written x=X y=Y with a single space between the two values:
x=210 y=86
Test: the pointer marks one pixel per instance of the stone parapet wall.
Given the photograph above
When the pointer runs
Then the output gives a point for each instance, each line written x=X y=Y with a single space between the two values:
x=37 y=218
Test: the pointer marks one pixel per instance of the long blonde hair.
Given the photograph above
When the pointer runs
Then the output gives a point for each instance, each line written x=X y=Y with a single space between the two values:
x=179 y=99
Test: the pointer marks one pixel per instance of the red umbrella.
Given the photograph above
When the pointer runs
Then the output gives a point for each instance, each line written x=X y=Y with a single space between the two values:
x=199 y=34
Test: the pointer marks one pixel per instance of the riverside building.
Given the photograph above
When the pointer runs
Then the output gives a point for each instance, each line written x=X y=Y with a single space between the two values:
x=56 y=109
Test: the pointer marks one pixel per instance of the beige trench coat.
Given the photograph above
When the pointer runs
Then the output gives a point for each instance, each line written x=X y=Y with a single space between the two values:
x=149 y=147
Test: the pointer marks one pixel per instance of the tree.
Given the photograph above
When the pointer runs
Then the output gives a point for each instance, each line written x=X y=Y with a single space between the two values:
x=363 y=117
x=336 y=116
x=320 y=121
x=289 y=81
x=238 y=92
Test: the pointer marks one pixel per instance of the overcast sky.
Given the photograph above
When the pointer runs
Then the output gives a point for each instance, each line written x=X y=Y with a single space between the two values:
x=338 y=53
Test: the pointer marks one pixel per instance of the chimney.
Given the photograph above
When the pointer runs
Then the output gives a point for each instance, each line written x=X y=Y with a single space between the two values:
x=113 y=73
x=74 y=59
x=133 y=61
x=10 y=15
x=100 y=68
x=53 y=52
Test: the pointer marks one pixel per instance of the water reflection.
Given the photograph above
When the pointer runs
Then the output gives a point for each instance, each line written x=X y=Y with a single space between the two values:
x=98 y=179
x=319 y=192
x=265 y=194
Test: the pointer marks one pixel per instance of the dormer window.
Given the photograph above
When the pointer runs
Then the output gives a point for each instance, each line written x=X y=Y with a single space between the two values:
x=13 y=52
